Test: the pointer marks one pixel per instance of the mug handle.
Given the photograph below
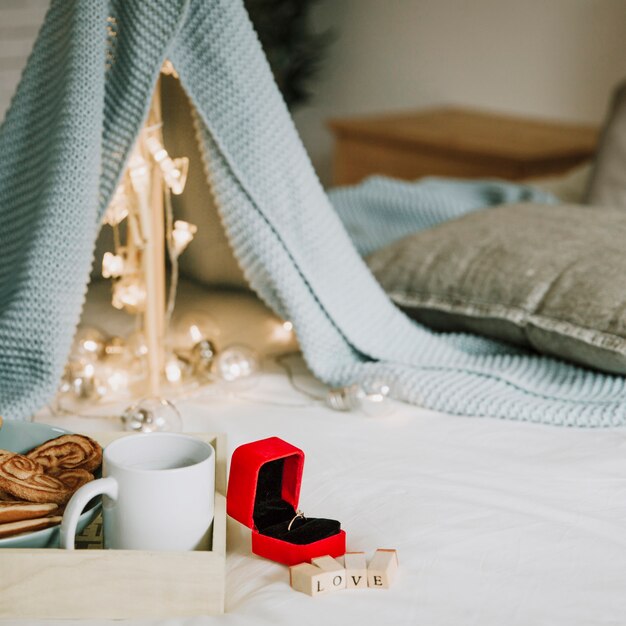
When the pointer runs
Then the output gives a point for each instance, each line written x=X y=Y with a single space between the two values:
x=101 y=486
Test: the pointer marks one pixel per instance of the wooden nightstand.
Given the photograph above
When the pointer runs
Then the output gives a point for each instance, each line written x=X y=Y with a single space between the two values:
x=456 y=142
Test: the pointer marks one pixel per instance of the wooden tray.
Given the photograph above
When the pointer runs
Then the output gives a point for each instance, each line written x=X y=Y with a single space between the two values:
x=119 y=584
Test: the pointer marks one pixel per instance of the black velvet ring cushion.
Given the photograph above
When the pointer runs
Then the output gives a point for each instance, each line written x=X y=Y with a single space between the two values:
x=272 y=514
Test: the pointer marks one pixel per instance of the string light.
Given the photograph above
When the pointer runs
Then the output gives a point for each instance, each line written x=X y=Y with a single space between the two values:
x=129 y=295
x=152 y=415
x=371 y=398
x=115 y=346
x=80 y=381
x=112 y=265
x=89 y=343
x=182 y=235
x=174 y=171
x=118 y=208
x=117 y=379
x=281 y=331
x=101 y=366
x=173 y=369
x=237 y=366
x=202 y=357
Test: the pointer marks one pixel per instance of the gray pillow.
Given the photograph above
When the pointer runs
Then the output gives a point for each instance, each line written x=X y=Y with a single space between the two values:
x=548 y=277
x=607 y=183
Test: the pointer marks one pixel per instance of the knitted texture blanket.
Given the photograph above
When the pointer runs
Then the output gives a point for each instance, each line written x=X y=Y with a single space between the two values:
x=381 y=210
x=65 y=140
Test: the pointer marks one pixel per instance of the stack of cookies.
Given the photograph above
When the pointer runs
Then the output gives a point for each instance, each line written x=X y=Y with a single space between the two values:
x=36 y=486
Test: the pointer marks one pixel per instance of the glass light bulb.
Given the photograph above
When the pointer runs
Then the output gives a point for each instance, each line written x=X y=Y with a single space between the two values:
x=81 y=381
x=174 y=369
x=117 y=379
x=340 y=399
x=152 y=415
x=238 y=366
x=116 y=346
x=370 y=397
x=89 y=343
x=202 y=357
x=193 y=327
x=130 y=294
x=119 y=369
x=281 y=331
x=137 y=345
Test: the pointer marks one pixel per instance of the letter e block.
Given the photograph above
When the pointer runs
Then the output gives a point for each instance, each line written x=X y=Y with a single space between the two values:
x=333 y=568
x=356 y=570
x=382 y=569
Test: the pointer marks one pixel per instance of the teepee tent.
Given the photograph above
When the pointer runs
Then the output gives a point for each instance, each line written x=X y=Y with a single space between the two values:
x=64 y=144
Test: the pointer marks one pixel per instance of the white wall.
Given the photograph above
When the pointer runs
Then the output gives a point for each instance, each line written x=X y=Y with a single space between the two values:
x=548 y=58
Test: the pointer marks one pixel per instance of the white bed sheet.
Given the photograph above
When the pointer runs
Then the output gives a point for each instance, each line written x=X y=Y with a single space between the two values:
x=495 y=522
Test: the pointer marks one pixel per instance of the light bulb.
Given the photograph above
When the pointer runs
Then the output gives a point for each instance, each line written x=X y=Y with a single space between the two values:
x=370 y=397
x=174 y=171
x=373 y=398
x=112 y=265
x=341 y=398
x=152 y=415
x=89 y=343
x=137 y=345
x=193 y=327
x=129 y=294
x=182 y=234
x=119 y=368
x=202 y=356
x=238 y=366
x=116 y=346
x=80 y=381
x=281 y=331
x=117 y=210
x=173 y=369
x=117 y=379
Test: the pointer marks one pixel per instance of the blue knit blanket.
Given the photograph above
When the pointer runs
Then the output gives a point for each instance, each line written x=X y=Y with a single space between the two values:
x=65 y=142
x=382 y=210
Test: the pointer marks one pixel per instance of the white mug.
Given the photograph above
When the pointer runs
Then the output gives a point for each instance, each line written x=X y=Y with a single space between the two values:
x=158 y=494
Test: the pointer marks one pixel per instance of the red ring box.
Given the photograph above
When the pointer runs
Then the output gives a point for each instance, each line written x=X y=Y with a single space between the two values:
x=263 y=493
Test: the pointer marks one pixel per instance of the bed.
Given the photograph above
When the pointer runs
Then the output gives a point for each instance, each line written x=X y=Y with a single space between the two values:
x=495 y=522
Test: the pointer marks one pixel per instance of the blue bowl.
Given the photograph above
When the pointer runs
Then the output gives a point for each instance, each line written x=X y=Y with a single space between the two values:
x=21 y=437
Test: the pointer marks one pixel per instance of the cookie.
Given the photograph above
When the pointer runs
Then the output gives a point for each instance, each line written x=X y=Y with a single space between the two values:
x=27 y=526
x=68 y=452
x=72 y=478
x=24 y=478
x=20 y=510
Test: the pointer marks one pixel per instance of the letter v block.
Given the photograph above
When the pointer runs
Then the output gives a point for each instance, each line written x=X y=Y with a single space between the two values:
x=382 y=569
x=310 y=579
x=356 y=570
x=333 y=567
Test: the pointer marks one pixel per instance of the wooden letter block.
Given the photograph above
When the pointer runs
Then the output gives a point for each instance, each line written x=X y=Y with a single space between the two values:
x=382 y=569
x=334 y=568
x=356 y=570
x=310 y=579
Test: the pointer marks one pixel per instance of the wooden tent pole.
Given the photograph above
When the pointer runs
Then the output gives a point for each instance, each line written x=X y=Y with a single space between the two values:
x=154 y=263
